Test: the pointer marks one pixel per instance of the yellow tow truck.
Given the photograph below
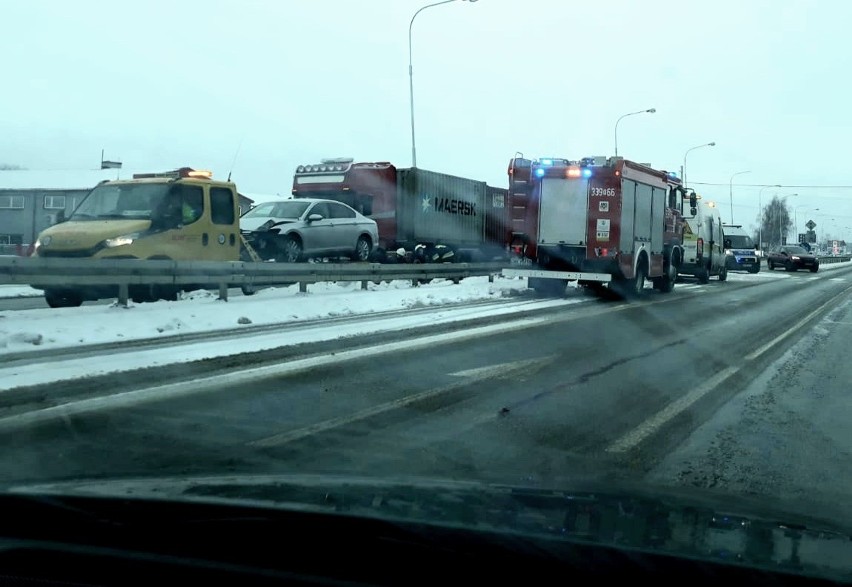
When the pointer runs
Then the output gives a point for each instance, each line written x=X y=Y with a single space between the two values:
x=181 y=215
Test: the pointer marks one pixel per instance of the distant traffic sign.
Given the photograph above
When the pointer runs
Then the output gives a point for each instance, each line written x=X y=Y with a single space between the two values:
x=811 y=224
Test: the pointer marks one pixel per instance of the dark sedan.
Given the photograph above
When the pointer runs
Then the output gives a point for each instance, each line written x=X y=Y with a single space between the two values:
x=792 y=258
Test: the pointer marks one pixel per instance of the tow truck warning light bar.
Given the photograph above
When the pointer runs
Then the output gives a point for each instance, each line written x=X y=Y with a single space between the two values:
x=176 y=174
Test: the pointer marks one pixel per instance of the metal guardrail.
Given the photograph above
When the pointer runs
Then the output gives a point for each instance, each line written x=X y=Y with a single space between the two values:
x=122 y=273
x=834 y=259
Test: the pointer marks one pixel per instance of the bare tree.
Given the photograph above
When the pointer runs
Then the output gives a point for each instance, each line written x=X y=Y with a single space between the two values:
x=775 y=223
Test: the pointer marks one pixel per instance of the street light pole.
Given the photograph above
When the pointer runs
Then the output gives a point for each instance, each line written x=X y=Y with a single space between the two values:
x=731 y=191
x=683 y=168
x=649 y=110
x=411 y=74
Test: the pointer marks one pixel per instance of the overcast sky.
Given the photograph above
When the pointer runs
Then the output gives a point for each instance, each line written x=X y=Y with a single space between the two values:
x=274 y=84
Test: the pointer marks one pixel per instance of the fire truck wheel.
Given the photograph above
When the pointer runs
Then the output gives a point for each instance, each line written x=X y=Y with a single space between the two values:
x=547 y=287
x=637 y=284
x=666 y=283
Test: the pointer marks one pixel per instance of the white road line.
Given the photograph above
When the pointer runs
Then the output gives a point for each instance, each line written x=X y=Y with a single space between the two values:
x=655 y=422
x=796 y=326
x=493 y=371
x=471 y=376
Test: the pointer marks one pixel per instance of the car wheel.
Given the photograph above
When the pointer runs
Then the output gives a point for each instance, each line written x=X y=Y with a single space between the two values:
x=770 y=265
x=703 y=276
x=292 y=249
x=815 y=268
x=789 y=266
x=754 y=269
x=723 y=274
x=363 y=248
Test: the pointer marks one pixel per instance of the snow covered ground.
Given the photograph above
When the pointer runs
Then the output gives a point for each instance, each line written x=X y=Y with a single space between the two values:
x=19 y=291
x=201 y=311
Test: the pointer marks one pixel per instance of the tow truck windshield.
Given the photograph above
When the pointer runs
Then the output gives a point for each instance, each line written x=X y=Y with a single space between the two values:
x=122 y=200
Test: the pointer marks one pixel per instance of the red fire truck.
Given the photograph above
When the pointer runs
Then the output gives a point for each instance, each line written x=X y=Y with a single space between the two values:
x=608 y=224
x=448 y=217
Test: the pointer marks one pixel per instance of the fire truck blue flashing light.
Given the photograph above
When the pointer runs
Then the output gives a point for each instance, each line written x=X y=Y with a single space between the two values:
x=547 y=161
x=587 y=172
x=539 y=172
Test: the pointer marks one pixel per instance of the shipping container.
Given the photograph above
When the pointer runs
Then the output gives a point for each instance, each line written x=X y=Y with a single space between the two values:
x=435 y=207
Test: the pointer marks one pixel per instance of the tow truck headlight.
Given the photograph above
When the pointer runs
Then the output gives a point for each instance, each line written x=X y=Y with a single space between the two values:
x=42 y=242
x=121 y=241
x=729 y=252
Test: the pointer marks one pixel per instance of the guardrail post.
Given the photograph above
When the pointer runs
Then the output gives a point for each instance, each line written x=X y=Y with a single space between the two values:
x=223 y=292
x=490 y=278
x=303 y=287
x=364 y=284
x=415 y=282
x=123 y=294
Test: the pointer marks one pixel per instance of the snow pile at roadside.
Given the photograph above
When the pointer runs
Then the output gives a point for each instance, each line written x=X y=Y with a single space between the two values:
x=201 y=311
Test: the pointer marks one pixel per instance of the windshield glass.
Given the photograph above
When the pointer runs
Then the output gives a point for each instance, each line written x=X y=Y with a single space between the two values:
x=740 y=241
x=456 y=245
x=121 y=200
x=278 y=210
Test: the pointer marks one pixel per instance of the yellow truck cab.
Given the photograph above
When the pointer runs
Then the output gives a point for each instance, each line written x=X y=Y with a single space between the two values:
x=179 y=215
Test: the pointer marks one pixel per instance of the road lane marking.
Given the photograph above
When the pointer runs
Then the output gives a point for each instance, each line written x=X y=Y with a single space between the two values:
x=655 y=422
x=796 y=326
x=495 y=371
x=471 y=376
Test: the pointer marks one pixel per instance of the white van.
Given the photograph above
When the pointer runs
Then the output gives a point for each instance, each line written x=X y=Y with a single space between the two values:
x=703 y=240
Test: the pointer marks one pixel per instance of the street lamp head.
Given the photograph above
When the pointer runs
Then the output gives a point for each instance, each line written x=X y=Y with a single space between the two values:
x=713 y=144
x=651 y=110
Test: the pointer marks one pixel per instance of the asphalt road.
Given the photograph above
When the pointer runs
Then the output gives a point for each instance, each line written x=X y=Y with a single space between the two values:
x=737 y=386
